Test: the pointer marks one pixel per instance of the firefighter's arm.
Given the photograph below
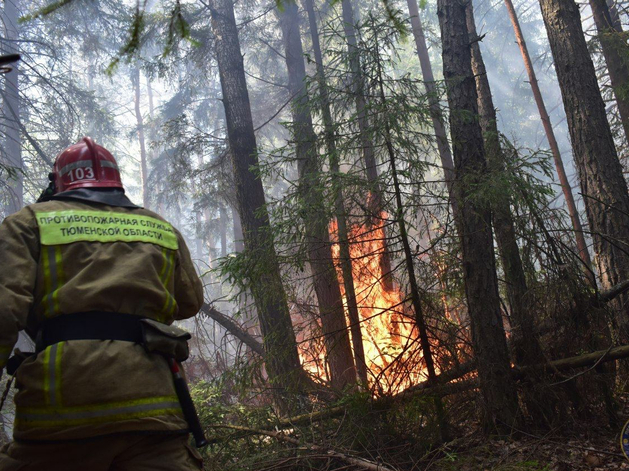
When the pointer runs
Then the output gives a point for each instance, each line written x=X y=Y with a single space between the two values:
x=19 y=252
x=188 y=286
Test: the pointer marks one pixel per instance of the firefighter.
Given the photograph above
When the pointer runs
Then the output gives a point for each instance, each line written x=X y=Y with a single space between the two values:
x=90 y=276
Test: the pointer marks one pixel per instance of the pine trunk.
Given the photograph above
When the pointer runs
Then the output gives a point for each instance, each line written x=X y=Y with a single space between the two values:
x=479 y=270
x=239 y=238
x=222 y=214
x=613 y=12
x=328 y=292
x=443 y=146
x=616 y=52
x=552 y=142
x=282 y=359
x=135 y=79
x=343 y=236
x=602 y=184
x=375 y=203
x=11 y=153
x=525 y=344
x=410 y=267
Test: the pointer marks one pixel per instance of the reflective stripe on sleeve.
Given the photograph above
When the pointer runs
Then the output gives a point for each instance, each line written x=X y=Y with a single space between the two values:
x=165 y=277
x=52 y=374
x=100 y=413
x=66 y=227
x=54 y=278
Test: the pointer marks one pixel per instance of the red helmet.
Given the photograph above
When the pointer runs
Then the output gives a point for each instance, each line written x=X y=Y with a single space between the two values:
x=86 y=165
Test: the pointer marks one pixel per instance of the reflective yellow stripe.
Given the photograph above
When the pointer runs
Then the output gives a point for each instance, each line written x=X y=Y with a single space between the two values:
x=23 y=421
x=52 y=374
x=165 y=267
x=47 y=300
x=57 y=382
x=103 y=406
x=165 y=277
x=60 y=277
x=111 y=412
x=54 y=279
x=47 y=375
x=66 y=227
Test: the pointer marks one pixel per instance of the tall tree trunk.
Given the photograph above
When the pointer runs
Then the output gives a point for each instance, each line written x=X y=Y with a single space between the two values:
x=410 y=266
x=222 y=215
x=443 y=146
x=376 y=202
x=525 y=344
x=202 y=219
x=149 y=92
x=602 y=184
x=552 y=142
x=613 y=12
x=282 y=363
x=479 y=270
x=343 y=236
x=330 y=301
x=199 y=235
x=616 y=54
x=239 y=238
x=11 y=111
x=135 y=79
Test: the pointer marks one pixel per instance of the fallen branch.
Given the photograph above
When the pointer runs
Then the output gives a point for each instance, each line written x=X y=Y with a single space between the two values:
x=449 y=388
x=444 y=377
x=353 y=460
x=233 y=328
x=613 y=292
x=257 y=347
x=579 y=361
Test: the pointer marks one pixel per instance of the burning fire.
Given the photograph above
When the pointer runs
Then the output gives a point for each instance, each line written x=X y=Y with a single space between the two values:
x=389 y=338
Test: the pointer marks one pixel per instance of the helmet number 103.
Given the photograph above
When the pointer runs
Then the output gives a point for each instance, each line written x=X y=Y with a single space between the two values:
x=82 y=173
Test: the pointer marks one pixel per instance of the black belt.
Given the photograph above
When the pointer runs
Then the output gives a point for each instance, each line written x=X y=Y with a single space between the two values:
x=93 y=325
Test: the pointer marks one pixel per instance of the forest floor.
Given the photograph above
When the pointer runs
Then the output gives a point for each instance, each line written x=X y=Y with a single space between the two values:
x=593 y=447
x=545 y=453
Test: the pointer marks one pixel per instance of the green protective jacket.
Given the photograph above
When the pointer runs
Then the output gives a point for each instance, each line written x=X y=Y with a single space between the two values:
x=64 y=257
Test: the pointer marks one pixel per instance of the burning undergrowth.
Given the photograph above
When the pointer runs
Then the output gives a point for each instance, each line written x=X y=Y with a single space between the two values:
x=388 y=333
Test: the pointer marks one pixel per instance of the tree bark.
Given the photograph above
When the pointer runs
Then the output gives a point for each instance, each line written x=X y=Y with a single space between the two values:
x=525 y=344
x=343 y=236
x=135 y=80
x=613 y=12
x=239 y=244
x=436 y=116
x=375 y=203
x=602 y=183
x=616 y=54
x=282 y=362
x=222 y=215
x=584 y=254
x=200 y=236
x=149 y=92
x=328 y=292
x=479 y=271
x=410 y=267
x=12 y=152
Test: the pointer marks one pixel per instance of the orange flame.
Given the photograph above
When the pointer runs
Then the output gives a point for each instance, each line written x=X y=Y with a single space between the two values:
x=389 y=337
